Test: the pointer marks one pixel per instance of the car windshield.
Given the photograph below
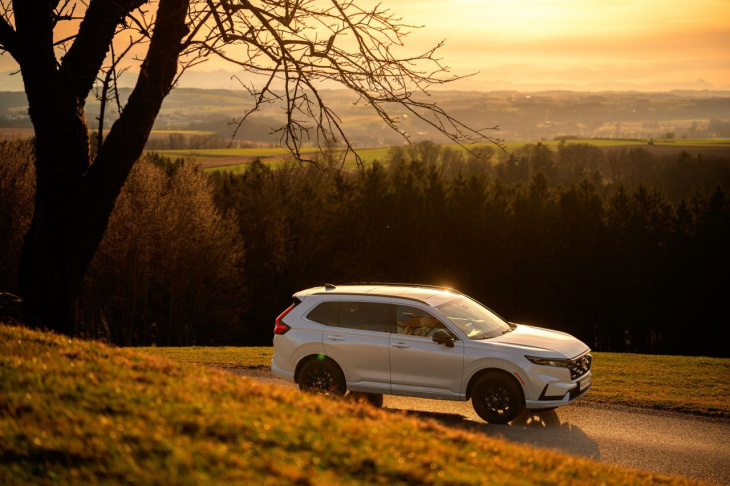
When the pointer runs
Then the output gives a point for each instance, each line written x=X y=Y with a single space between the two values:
x=474 y=320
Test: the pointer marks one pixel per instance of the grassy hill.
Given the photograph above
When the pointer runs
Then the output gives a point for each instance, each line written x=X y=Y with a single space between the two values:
x=688 y=384
x=75 y=412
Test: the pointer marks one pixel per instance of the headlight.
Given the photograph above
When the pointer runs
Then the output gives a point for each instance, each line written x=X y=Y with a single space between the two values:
x=563 y=363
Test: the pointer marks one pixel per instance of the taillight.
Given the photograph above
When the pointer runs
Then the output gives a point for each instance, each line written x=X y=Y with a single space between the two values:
x=280 y=327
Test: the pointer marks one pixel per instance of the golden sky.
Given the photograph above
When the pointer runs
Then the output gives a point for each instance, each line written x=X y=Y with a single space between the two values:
x=556 y=42
x=567 y=44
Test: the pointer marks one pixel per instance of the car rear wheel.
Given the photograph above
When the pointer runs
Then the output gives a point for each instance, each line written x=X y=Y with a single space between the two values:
x=322 y=378
x=497 y=398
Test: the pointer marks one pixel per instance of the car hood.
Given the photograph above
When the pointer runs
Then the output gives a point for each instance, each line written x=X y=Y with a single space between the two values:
x=543 y=342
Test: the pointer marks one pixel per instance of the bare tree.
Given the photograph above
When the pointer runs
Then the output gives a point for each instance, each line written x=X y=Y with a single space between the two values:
x=297 y=46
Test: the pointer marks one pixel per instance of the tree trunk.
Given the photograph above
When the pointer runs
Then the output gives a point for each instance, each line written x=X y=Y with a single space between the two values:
x=48 y=281
x=74 y=199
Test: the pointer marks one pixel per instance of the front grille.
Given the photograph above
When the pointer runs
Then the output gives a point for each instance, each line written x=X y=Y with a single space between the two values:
x=580 y=366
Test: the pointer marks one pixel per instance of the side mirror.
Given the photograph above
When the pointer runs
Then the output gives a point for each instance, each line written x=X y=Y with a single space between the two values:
x=441 y=336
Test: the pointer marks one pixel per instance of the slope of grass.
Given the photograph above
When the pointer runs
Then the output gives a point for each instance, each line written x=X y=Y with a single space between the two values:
x=680 y=383
x=223 y=357
x=74 y=412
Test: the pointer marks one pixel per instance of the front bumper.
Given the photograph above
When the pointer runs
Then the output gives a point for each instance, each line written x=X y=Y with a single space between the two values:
x=556 y=392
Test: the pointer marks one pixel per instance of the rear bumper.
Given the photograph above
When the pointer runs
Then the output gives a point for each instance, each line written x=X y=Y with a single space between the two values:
x=282 y=374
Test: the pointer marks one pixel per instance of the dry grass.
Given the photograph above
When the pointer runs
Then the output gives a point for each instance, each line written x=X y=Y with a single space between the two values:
x=688 y=384
x=680 y=383
x=222 y=357
x=74 y=412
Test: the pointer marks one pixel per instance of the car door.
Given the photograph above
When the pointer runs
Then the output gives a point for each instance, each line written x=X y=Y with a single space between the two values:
x=418 y=365
x=359 y=343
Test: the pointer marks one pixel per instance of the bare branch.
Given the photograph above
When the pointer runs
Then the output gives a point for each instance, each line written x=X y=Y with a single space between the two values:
x=84 y=59
x=110 y=82
x=283 y=40
x=8 y=37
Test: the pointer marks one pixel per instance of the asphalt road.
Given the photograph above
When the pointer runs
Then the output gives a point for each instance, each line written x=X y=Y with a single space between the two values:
x=661 y=442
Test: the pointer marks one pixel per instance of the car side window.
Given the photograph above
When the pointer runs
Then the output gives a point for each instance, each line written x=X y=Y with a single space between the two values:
x=327 y=313
x=367 y=316
x=413 y=321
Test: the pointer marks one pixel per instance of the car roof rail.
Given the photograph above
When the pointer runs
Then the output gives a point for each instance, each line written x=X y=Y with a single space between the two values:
x=420 y=286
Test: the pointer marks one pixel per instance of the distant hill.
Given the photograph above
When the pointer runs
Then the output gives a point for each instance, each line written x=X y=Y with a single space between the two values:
x=521 y=116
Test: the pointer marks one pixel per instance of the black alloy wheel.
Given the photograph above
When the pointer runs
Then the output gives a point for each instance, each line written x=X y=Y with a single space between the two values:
x=322 y=378
x=497 y=399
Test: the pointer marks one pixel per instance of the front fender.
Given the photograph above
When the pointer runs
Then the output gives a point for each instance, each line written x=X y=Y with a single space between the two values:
x=472 y=368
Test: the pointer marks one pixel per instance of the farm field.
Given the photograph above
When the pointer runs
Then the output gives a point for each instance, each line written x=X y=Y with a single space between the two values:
x=678 y=383
x=237 y=159
x=77 y=412
x=8 y=133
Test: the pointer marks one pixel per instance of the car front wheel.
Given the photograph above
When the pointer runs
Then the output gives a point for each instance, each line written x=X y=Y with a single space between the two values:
x=497 y=398
x=322 y=378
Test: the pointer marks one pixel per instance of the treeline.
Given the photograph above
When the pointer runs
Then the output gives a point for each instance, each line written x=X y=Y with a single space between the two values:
x=179 y=141
x=621 y=267
x=676 y=173
x=550 y=238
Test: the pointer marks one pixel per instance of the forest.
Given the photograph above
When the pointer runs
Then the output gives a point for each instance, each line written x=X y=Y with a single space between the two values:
x=624 y=248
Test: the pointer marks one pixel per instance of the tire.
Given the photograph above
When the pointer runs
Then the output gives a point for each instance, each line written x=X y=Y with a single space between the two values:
x=322 y=378
x=374 y=399
x=497 y=398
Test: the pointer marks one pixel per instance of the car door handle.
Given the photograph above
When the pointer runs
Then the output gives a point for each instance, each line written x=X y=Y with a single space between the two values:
x=401 y=345
x=335 y=338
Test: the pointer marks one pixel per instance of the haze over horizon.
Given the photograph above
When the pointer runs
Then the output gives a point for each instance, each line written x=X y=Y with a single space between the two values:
x=533 y=45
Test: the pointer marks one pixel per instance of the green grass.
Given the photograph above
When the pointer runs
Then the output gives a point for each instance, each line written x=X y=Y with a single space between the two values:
x=684 y=384
x=681 y=383
x=75 y=412
x=223 y=357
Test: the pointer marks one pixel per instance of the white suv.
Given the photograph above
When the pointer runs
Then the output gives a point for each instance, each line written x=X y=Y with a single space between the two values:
x=427 y=342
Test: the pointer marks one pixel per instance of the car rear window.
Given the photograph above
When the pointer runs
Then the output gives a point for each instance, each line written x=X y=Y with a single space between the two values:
x=326 y=313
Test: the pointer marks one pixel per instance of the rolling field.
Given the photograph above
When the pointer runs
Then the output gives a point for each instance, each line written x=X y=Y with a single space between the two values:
x=236 y=160
x=77 y=412
x=20 y=133
x=696 y=385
